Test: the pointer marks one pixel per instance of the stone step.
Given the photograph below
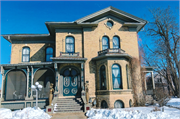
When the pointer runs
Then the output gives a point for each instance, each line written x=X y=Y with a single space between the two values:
x=68 y=104
x=68 y=111
x=67 y=101
x=68 y=107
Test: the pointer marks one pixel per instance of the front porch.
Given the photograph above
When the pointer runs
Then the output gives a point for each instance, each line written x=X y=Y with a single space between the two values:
x=18 y=78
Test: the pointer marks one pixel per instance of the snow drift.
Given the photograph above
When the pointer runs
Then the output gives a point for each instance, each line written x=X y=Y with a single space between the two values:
x=26 y=113
x=128 y=114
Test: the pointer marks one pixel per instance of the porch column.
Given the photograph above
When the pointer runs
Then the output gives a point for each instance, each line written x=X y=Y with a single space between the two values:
x=32 y=80
x=27 y=86
x=2 y=85
x=153 y=80
x=145 y=81
x=82 y=76
x=56 y=79
x=83 y=94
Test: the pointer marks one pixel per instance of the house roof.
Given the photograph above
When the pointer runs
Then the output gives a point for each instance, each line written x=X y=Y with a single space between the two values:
x=113 y=11
x=17 y=37
x=87 y=21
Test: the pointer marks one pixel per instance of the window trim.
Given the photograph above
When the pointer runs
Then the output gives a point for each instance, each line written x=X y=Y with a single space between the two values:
x=26 y=54
x=70 y=43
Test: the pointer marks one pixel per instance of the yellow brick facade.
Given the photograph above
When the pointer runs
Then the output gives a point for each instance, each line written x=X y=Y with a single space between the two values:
x=88 y=36
x=37 y=52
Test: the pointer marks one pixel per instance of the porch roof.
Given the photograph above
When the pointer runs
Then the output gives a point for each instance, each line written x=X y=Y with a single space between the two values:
x=68 y=59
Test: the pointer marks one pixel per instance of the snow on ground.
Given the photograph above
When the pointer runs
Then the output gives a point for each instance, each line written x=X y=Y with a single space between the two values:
x=134 y=113
x=174 y=102
x=26 y=113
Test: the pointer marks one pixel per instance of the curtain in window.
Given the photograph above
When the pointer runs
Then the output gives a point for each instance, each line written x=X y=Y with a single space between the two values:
x=70 y=44
x=116 y=76
x=49 y=54
x=25 y=54
x=105 y=43
x=15 y=85
x=116 y=42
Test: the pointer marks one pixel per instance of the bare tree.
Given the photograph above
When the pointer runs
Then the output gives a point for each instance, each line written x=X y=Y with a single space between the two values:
x=163 y=51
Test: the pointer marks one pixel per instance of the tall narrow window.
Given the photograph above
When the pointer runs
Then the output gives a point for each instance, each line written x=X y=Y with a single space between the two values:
x=116 y=76
x=69 y=44
x=25 y=54
x=116 y=43
x=127 y=75
x=105 y=43
x=102 y=78
x=49 y=54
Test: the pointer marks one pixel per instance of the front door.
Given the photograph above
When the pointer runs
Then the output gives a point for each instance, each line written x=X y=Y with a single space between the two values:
x=70 y=82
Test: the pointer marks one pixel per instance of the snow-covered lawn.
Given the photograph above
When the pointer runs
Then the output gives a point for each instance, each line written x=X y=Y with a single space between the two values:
x=174 y=102
x=26 y=113
x=134 y=113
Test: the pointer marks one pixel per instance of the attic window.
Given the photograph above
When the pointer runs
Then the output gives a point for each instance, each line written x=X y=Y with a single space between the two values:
x=110 y=24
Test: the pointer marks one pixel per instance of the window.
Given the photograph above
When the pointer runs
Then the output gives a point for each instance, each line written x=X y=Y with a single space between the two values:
x=116 y=76
x=104 y=104
x=102 y=78
x=69 y=44
x=110 y=24
x=119 y=104
x=49 y=54
x=127 y=75
x=130 y=103
x=25 y=54
x=116 y=43
x=105 y=43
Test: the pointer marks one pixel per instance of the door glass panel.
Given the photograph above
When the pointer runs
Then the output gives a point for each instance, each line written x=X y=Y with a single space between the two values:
x=70 y=83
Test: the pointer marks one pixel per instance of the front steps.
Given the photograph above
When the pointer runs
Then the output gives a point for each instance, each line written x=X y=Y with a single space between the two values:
x=68 y=105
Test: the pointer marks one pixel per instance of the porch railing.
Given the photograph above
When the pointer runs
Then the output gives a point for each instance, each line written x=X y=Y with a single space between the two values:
x=111 y=50
x=76 y=54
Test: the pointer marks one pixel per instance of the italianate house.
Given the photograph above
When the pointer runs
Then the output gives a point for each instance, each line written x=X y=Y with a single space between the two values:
x=87 y=61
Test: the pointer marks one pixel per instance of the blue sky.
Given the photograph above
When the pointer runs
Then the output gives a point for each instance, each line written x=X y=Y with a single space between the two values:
x=20 y=17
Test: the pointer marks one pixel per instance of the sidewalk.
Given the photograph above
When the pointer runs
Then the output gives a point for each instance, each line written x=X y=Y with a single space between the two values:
x=77 y=115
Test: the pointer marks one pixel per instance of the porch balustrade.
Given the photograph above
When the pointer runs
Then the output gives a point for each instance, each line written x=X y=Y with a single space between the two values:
x=110 y=51
x=76 y=54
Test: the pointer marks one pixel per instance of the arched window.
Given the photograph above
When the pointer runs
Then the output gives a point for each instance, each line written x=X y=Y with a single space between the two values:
x=116 y=76
x=15 y=85
x=116 y=43
x=70 y=44
x=130 y=103
x=104 y=104
x=49 y=54
x=127 y=75
x=119 y=104
x=25 y=54
x=105 y=42
x=102 y=78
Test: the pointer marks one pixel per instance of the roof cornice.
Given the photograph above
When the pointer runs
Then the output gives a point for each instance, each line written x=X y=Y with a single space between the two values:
x=108 y=9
